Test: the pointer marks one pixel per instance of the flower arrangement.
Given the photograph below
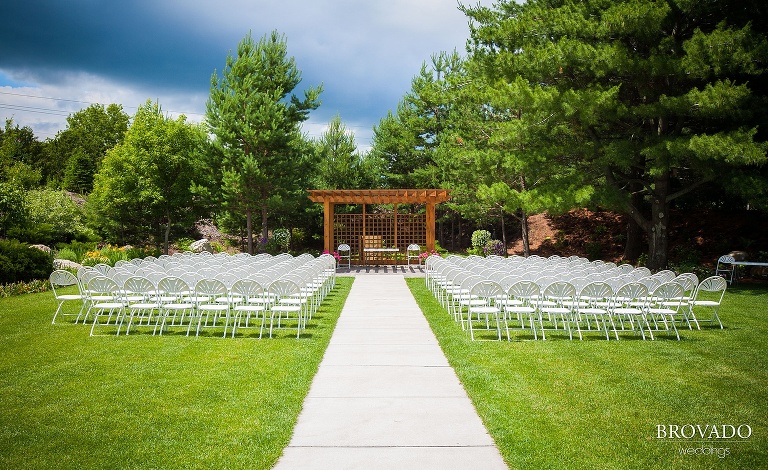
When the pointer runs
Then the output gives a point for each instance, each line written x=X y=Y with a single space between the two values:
x=423 y=256
x=480 y=238
x=335 y=254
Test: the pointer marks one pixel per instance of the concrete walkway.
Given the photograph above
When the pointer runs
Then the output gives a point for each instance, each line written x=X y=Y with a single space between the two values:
x=384 y=396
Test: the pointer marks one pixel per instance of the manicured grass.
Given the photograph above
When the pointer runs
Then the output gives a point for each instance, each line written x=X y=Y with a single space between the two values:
x=143 y=401
x=597 y=403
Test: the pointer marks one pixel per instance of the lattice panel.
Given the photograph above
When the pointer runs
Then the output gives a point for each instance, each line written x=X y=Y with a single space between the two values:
x=412 y=228
x=379 y=231
x=348 y=228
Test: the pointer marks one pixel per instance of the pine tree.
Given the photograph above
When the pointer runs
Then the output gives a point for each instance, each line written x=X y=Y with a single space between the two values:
x=652 y=100
x=256 y=121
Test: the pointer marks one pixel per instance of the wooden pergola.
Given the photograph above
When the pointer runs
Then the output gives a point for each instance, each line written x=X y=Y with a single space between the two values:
x=376 y=230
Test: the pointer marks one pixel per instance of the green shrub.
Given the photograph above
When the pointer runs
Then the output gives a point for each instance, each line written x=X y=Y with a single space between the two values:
x=79 y=248
x=183 y=244
x=20 y=263
x=282 y=238
x=54 y=217
x=133 y=252
x=685 y=254
x=67 y=254
x=594 y=250
x=687 y=267
x=480 y=238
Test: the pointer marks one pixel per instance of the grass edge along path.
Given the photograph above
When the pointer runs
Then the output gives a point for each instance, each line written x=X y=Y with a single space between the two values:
x=143 y=401
x=598 y=404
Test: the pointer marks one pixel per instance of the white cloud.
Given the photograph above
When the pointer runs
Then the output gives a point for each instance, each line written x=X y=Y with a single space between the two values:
x=44 y=108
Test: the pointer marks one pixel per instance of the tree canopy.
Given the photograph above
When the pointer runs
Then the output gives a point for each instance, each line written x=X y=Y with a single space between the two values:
x=339 y=165
x=651 y=99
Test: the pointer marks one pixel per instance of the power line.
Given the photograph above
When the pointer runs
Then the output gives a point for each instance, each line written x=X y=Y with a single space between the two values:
x=32 y=109
x=58 y=111
x=84 y=102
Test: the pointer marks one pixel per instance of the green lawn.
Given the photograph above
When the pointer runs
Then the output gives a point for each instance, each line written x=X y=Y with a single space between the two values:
x=597 y=403
x=143 y=401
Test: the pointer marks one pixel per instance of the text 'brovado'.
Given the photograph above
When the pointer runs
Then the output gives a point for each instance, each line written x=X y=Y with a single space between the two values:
x=703 y=431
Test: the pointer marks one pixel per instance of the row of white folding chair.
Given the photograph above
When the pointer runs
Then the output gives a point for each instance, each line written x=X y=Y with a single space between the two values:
x=631 y=304
x=653 y=307
x=202 y=265
x=213 y=260
x=123 y=271
x=179 y=303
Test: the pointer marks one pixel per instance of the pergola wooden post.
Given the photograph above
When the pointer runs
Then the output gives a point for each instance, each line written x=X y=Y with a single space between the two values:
x=330 y=198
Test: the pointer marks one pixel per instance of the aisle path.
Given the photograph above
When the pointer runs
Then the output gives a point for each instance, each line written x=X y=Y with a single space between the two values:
x=384 y=396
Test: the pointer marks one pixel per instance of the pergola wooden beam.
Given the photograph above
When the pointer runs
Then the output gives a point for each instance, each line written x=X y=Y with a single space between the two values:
x=329 y=198
x=379 y=196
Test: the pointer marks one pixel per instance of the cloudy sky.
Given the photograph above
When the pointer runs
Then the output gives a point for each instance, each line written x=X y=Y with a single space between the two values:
x=57 y=57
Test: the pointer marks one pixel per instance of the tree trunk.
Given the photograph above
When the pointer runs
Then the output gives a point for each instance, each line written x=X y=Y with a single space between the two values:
x=634 y=245
x=249 y=230
x=524 y=233
x=658 y=236
x=264 y=227
x=453 y=231
x=167 y=232
x=503 y=233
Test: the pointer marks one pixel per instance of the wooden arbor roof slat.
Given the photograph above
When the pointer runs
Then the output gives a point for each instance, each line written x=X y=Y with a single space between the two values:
x=379 y=196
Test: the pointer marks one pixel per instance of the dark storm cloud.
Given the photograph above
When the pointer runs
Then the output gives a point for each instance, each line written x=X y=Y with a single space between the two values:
x=129 y=42
x=363 y=52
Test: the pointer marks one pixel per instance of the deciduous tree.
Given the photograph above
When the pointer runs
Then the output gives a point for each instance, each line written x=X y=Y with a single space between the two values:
x=146 y=181
x=90 y=133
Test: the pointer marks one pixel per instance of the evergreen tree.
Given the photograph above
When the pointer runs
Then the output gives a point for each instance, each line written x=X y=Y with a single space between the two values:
x=339 y=165
x=256 y=121
x=406 y=141
x=654 y=99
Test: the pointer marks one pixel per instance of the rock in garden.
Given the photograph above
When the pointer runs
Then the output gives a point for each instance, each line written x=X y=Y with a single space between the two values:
x=66 y=264
x=43 y=248
x=201 y=245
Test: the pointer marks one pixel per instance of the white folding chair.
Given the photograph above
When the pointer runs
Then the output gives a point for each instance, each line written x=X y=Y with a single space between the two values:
x=482 y=307
x=726 y=268
x=177 y=308
x=413 y=252
x=60 y=279
x=523 y=296
x=709 y=294
x=288 y=304
x=594 y=301
x=557 y=301
x=108 y=305
x=253 y=306
x=629 y=304
x=142 y=303
x=210 y=309
x=345 y=255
